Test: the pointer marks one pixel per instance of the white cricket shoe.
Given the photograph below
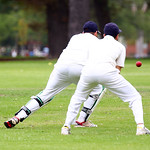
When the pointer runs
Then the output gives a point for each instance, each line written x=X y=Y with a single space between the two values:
x=142 y=131
x=85 y=124
x=65 y=130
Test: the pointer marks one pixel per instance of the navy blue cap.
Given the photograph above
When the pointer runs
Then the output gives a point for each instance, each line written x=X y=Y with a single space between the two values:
x=111 y=29
x=90 y=26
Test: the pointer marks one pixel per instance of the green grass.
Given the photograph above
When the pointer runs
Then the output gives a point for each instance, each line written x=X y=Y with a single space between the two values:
x=19 y=80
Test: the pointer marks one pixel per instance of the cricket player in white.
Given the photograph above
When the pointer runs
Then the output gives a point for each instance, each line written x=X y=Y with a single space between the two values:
x=104 y=65
x=66 y=71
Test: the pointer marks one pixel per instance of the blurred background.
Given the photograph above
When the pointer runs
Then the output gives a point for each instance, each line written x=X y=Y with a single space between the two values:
x=42 y=28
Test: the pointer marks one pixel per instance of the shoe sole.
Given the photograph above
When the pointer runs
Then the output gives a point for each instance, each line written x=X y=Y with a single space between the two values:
x=78 y=126
x=65 y=133
x=142 y=133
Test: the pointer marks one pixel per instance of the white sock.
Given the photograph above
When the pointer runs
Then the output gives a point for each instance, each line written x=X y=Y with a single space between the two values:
x=82 y=116
x=140 y=125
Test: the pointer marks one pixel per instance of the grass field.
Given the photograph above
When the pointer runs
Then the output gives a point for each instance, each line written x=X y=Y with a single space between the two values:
x=19 y=80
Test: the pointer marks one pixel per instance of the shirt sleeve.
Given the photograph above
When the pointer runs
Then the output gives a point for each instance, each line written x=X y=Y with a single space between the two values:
x=121 y=59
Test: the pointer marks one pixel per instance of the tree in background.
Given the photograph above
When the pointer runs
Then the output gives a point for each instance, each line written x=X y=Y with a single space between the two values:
x=7 y=22
x=18 y=25
x=22 y=32
x=79 y=13
x=132 y=17
x=57 y=26
x=102 y=12
x=61 y=19
x=56 y=13
x=56 y=21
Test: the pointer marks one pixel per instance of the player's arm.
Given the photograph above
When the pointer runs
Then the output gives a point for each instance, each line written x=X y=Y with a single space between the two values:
x=121 y=59
x=119 y=68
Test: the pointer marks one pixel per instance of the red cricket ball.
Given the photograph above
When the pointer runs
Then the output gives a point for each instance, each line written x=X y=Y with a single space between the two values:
x=138 y=64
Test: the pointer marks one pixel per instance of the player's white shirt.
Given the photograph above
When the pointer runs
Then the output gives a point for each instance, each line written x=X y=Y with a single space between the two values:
x=109 y=51
x=77 y=50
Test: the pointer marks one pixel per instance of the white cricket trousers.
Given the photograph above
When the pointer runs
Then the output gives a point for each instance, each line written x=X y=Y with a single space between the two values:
x=60 y=78
x=113 y=81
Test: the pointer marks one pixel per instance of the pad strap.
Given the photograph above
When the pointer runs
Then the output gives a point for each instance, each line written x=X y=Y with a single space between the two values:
x=96 y=96
x=39 y=101
x=86 y=110
x=27 y=111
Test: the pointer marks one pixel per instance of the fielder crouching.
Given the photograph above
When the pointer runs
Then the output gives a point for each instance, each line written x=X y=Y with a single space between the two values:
x=66 y=71
x=106 y=59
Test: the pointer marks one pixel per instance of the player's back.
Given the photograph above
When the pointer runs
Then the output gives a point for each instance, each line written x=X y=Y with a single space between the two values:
x=77 y=50
x=107 y=51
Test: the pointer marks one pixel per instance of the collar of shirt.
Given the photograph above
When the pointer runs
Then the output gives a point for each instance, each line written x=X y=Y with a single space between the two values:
x=109 y=37
x=89 y=34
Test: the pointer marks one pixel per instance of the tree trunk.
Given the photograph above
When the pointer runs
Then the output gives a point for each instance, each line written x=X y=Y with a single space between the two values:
x=78 y=15
x=57 y=26
x=102 y=13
